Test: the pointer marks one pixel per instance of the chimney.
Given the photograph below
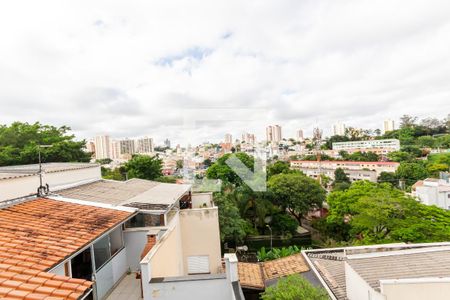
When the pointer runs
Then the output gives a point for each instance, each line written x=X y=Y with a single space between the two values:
x=231 y=266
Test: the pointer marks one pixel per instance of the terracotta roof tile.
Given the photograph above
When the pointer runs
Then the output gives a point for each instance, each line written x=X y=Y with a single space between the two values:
x=37 y=235
x=254 y=275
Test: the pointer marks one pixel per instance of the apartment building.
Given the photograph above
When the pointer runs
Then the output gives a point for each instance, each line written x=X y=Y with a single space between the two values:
x=380 y=147
x=144 y=145
x=383 y=272
x=228 y=139
x=355 y=170
x=273 y=133
x=433 y=191
x=103 y=229
x=338 y=129
x=102 y=147
x=388 y=125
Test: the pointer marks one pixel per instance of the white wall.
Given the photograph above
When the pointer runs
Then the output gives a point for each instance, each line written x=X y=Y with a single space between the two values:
x=111 y=273
x=217 y=289
x=26 y=186
x=358 y=288
x=135 y=241
x=198 y=199
x=437 y=289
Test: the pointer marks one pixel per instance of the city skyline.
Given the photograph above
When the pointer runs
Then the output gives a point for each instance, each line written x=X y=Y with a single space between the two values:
x=114 y=70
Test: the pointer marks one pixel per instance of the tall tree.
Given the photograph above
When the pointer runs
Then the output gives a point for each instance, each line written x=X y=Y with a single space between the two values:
x=19 y=144
x=144 y=167
x=296 y=193
x=220 y=169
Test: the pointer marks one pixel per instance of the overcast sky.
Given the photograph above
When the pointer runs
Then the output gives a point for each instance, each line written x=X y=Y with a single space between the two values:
x=137 y=68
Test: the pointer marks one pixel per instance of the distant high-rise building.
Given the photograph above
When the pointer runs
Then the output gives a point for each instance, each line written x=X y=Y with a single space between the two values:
x=388 y=125
x=273 y=133
x=90 y=146
x=115 y=150
x=300 y=136
x=228 y=139
x=127 y=147
x=167 y=143
x=339 y=129
x=145 y=145
x=102 y=147
x=248 y=138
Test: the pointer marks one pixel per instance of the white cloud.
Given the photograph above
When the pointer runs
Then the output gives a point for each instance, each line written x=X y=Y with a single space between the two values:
x=131 y=68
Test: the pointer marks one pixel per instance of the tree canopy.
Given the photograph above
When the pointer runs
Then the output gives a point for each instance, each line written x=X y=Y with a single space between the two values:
x=144 y=167
x=371 y=213
x=296 y=192
x=294 y=287
x=220 y=169
x=19 y=144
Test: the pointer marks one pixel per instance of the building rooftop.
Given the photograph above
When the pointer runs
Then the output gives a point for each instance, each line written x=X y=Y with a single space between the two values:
x=130 y=193
x=431 y=262
x=38 y=234
x=259 y=275
x=11 y=172
x=377 y=262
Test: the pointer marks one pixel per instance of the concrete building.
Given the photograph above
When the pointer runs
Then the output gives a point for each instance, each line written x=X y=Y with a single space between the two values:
x=355 y=170
x=388 y=125
x=144 y=145
x=380 y=147
x=432 y=191
x=127 y=147
x=383 y=272
x=300 y=136
x=228 y=139
x=249 y=138
x=273 y=133
x=338 y=129
x=166 y=234
x=102 y=147
x=115 y=149
x=167 y=143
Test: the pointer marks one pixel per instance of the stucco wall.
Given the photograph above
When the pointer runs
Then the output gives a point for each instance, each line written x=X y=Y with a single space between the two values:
x=201 y=236
x=25 y=186
x=135 y=240
x=217 y=289
x=417 y=291
x=166 y=258
x=358 y=288
x=198 y=199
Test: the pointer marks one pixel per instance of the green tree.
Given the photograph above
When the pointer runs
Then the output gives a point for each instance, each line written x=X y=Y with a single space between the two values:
x=335 y=139
x=232 y=226
x=410 y=172
x=179 y=164
x=399 y=156
x=144 y=167
x=340 y=176
x=296 y=193
x=369 y=213
x=388 y=177
x=294 y=287
x=19 y=144
x=278 y=168
x=220 y=170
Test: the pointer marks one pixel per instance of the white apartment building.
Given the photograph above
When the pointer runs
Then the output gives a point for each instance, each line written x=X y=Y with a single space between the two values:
x=388 y=125
x=339 y=128
x=273 y=133
x=228 y=138
x=432 y=191
x=300 y=136
x=248 y=138
x=102 y=147
x=378 y=146
x=144 y=145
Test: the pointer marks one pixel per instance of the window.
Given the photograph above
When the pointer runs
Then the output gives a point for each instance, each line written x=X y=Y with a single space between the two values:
x=102 y=252
x=116 y=240
x=107 y=246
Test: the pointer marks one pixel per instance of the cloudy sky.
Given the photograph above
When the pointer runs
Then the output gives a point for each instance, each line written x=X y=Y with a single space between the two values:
x=155 y=68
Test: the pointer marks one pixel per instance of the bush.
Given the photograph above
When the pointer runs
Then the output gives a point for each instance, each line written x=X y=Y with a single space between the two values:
x=275 y=253
x=294 y=287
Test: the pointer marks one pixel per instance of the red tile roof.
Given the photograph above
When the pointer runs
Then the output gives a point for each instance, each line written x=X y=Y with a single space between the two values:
x=37 y=235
